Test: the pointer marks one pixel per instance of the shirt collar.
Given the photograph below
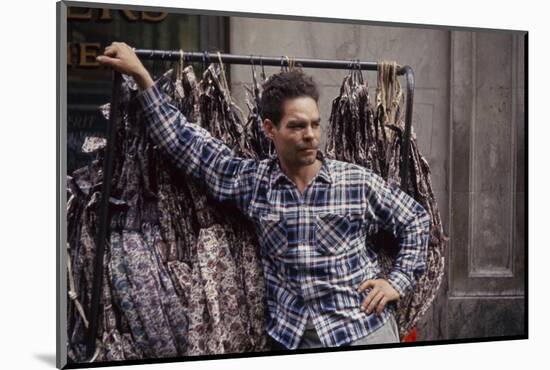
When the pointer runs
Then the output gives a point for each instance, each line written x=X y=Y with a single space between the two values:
x=278 y=176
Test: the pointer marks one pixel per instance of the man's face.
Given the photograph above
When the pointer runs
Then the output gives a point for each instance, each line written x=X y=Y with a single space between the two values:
x=297 y=137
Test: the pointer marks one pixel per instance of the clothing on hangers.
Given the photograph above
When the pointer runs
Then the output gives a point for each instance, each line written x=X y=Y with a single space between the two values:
x=162 y=255
x=373 y=136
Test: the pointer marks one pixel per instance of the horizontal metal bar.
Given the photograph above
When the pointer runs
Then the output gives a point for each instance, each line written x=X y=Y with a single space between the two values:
x=207 y=57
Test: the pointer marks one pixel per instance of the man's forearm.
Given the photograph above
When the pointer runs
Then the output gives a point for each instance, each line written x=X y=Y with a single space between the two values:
x=411 y=259
x=143 y=79
x=194 y=150
x=398 y=213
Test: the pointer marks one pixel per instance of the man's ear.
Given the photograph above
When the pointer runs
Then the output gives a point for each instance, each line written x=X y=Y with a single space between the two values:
x=269 y=128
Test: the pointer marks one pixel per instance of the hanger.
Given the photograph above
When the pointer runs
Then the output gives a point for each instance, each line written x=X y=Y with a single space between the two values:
x=255 y=85
x=161 y=64
x=224 y=79
x=263 y=70
x=179 y=66
x=358 y=72
x=253 y=70
x=205 y=60
x=283 y=67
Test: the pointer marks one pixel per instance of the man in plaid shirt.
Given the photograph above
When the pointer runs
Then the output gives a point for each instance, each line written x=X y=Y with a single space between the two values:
x=312 y=214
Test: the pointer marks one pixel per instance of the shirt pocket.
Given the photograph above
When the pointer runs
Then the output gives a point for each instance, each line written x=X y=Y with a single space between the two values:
x=273 y=233
x=335 y=232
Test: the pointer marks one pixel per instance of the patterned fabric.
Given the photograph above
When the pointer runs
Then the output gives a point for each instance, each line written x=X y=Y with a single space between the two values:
x=390 y=100
x=313 y=245
x=166 y=290
x=372 y=136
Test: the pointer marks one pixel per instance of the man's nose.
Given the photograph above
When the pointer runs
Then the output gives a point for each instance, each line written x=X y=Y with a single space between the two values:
x=308 y=133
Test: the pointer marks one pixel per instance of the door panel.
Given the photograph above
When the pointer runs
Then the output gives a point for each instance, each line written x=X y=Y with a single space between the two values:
x=486 y=256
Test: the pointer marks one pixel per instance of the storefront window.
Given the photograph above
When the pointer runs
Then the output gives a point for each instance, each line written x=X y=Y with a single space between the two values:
x=90 y=30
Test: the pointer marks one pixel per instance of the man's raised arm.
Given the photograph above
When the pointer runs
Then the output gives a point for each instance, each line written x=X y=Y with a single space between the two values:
x=192 y=148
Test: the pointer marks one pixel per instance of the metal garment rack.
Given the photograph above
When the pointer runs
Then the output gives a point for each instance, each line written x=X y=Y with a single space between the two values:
x=207 y=57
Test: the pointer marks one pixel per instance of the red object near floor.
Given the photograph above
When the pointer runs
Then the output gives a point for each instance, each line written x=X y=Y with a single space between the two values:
x=411 y=337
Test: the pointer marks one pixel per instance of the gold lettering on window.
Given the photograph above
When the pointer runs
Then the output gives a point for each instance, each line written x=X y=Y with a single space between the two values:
x=105 y=15
x=76 y=13
x=130 y=15
x=88 y=52
x=146 y=16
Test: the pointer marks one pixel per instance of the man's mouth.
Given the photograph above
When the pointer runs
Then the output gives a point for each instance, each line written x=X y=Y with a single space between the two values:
x=309 y=151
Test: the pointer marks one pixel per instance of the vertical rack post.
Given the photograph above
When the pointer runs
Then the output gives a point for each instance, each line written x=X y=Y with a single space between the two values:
x=103 y=215
x=405 y=145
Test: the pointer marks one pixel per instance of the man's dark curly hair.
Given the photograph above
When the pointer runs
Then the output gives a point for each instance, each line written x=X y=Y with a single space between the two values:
x=285 y=85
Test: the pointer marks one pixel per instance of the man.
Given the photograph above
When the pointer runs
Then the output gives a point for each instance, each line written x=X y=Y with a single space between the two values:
x=312 y=215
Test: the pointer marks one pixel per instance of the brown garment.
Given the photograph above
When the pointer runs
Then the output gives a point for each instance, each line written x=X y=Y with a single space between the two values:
x=179 y=278
x=372 y=137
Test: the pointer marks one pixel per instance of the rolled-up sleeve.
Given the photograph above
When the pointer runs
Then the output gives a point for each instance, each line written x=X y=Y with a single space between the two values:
x=200 y=155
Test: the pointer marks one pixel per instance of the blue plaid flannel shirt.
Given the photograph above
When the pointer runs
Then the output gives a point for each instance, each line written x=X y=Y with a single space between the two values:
x=313 y=245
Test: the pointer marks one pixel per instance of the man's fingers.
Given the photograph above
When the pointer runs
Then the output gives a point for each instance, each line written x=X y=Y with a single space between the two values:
x=376 y=296
x=117 y=44
x=116 y=48
x=381 y=305
x=366 y=284
x=369 y=299
x=122 y=58
x=112 y=62
x=103 y=59
x=110 y=51
x=121 y=46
